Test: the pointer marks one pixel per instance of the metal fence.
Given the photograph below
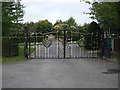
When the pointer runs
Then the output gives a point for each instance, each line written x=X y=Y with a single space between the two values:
x=63 y=44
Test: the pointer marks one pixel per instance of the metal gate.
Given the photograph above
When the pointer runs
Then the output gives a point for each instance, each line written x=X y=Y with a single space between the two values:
x=61 y=44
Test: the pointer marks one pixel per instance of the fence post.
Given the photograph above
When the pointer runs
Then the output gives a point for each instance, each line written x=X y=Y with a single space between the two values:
x=26 y=42
x=64 y=42
x=101 y=43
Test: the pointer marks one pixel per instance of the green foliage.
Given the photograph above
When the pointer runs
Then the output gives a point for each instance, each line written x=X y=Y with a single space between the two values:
x=58 y=22
x=44 y=26
x=36 y=38
x=71 y=22
x=75 y=36
x=68 y=25
x=12 y=12
x=14 y=58
x=9 y=47
x=32 y=27
x=91 y=39
x=20 y=57
x=81 y=29
x=107 y=14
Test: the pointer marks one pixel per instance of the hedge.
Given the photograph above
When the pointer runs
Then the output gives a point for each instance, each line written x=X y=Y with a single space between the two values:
x=9 y=47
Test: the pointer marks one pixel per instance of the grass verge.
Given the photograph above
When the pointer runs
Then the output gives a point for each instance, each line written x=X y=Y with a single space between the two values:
x=115 y=55
x=34 y=43
x=20 y=57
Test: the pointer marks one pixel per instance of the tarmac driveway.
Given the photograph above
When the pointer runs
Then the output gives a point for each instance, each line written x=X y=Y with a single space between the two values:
x=59 y=73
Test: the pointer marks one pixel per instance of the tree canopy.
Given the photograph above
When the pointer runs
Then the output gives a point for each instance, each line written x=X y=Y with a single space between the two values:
x=44 y=26
x=107 y=14
x=91 y=39
x=69 y=24
x=12 y=13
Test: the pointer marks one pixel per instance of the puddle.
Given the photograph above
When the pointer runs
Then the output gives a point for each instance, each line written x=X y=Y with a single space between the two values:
x=112 y=71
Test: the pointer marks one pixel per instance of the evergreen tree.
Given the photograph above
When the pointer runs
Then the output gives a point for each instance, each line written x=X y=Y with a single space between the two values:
x=12 y=13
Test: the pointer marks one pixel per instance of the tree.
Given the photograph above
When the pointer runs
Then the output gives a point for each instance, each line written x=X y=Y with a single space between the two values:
x=72 y=25
x=58 y=22
x=91 y=39
x=12 y=13
x=44 y=26
x=71 y=22
x=68 y=25
x=82 y=29
x=107 y=14
x=32 y=27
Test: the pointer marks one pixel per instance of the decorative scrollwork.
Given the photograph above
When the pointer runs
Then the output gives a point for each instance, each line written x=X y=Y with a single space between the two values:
x=81 y=43
x=61 y=49
x=47 y=43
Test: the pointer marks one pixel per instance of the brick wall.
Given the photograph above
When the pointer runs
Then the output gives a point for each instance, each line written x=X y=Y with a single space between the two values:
x=117 y=45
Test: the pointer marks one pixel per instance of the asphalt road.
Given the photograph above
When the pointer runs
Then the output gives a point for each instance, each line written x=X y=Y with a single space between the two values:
x=59 y=73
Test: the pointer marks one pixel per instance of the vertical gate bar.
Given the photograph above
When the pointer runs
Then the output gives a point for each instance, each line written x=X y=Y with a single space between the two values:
x=35 y=45
x=39 y=43
x=39 y=50
x=48 y=52
x=70 y=44
x=92 y=44
x=45 y=52
x=84 y=49
x=26 y=42
x=97 y=44
x=52 y=52
x=58 y=42
x=78 y=42
x=76 y=46
x=39 y=47
x=80 y=47
x=64 y=42
x=29 y=46
x=73 y=46
x=44 y=49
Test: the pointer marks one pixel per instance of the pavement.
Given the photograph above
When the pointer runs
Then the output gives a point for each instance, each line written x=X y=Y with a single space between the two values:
x=60 y=73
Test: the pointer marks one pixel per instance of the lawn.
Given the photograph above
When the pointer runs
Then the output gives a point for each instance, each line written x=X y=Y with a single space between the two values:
x=34 y=43
x=115 y=55
x=20 y=57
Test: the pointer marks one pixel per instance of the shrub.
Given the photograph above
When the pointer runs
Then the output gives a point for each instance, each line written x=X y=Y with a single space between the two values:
x=91 y=40
x=9 y=47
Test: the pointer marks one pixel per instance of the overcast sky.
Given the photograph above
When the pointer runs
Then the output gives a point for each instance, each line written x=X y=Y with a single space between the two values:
x=53 y=10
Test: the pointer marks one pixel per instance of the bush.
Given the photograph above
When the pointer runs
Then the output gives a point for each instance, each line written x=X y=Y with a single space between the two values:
x=91 y=39
x=9 y=47
x=36 y=38
x=75 y=36
x=5 y=47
